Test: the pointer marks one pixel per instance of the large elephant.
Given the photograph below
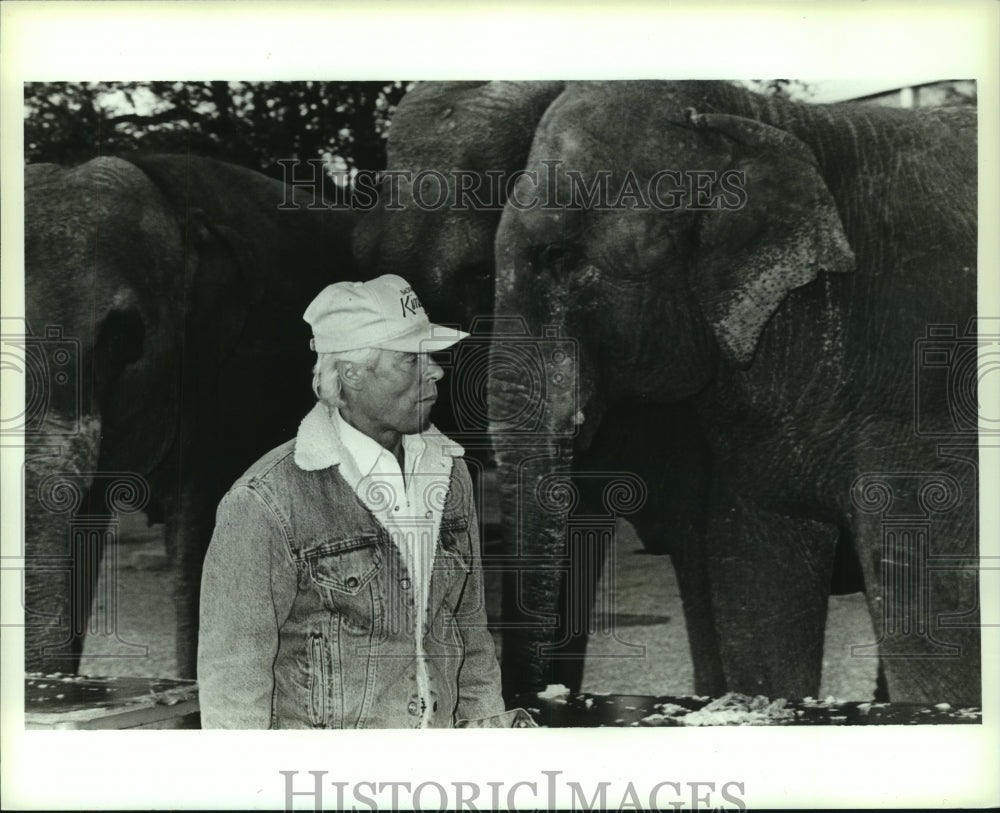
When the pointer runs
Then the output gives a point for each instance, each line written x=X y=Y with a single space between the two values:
x=477 y=136
x=799 y=278
x=165 y=351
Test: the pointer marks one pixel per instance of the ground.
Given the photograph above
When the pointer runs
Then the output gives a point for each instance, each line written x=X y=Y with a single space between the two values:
x=647 y=613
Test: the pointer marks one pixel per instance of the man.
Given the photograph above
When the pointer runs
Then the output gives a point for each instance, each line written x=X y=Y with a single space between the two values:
x=343 y=587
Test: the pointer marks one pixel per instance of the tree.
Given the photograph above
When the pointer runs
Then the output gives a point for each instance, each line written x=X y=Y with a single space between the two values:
x=250 y=123
x=794 y=89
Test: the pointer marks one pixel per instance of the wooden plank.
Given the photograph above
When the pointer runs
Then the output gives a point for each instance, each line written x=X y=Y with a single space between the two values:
x=84 y=702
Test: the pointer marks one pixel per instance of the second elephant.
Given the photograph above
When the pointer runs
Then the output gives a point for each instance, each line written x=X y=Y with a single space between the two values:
x=165 y=351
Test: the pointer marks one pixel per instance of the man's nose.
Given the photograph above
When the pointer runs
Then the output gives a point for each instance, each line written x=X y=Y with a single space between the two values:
x=433 y=370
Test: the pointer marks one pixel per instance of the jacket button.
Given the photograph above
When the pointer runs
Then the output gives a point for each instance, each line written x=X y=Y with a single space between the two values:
x=352 y=582
x=413 y=707
x=404 y=583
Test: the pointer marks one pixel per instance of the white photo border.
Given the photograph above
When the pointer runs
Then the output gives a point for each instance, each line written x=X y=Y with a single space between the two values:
x=930 y=766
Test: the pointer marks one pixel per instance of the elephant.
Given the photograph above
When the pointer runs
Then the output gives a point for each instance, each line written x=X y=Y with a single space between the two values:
x=165 y=350
x=444 y=251
x=798 y=279
x=478 y=135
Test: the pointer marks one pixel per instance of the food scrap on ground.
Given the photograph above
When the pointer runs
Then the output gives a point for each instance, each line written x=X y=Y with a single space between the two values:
x=740 y=709
x=558 y=707
x=554 y=691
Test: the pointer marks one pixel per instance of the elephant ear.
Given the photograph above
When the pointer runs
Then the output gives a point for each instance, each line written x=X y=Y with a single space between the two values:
x=786 y=232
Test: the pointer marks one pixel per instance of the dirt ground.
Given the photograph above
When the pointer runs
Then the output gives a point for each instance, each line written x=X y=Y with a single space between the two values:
x=649 y=624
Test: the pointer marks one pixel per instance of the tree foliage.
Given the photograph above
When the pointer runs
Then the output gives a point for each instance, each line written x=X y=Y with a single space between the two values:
x=794 y=89
x=250 y=123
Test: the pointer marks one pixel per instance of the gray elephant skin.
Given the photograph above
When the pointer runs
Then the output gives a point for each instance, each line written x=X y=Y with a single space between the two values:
x=166 y=351
x=764 y=356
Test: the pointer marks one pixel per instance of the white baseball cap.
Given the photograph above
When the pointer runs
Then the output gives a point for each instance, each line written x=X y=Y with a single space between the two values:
x=383 y=312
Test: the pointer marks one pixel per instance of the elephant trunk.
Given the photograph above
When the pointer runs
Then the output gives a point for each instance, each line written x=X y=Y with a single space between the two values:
x=61 y=557
x=533 y=415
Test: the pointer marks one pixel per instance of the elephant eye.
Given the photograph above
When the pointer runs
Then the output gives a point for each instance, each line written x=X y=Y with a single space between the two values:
x=550 y=257
x=476 y=272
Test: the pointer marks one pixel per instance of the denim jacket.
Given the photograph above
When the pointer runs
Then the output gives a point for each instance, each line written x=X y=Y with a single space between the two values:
x=307 y=616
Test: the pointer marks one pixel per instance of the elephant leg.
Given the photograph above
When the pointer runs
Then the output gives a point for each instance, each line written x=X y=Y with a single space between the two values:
x=881 y=685
x=703 y=638
x=677 y=471
x=770 y=581
x=917 y=531
x=188 y=532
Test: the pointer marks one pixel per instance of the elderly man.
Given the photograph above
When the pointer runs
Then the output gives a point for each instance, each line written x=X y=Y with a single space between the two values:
x=343 y=587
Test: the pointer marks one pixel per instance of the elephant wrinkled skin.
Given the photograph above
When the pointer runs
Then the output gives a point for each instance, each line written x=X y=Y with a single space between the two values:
x=175 y=286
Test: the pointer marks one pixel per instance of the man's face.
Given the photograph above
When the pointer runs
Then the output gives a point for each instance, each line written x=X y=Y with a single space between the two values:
x=396 y=394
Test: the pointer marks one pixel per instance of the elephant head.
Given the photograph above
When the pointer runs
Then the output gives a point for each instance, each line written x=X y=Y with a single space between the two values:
x=697 y=242
x=165 y=350
x=112 y=322
x=451 y=149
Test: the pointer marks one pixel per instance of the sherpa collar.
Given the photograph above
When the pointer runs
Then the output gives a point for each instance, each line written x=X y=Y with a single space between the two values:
x=318 y=445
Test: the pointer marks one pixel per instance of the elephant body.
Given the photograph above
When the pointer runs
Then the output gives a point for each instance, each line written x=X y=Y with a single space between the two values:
x=747 y=349
x=178 y=285
x=788 y=312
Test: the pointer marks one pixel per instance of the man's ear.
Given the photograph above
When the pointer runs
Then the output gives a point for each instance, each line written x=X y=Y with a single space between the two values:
x=351 y=375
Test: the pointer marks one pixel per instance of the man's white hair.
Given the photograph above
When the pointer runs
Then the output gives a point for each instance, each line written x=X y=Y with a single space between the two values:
x=326 y=372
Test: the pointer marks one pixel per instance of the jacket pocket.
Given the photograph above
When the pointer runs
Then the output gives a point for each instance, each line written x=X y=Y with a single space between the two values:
x=318 y=682
x=345 y=573
x=455 y=542
x=453 y=562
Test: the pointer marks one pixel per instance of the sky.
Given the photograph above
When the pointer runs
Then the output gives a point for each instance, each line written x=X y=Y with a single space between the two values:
x=837 y=90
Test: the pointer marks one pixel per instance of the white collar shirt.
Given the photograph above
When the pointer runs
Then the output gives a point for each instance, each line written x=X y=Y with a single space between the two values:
x=399 y=503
